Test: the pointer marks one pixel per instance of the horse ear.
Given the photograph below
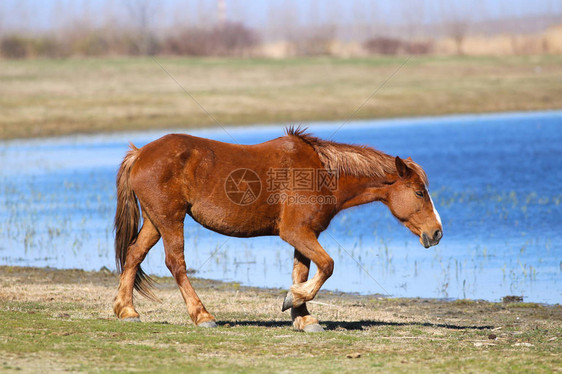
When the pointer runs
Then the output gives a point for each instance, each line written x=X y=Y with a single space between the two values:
x=403 y=170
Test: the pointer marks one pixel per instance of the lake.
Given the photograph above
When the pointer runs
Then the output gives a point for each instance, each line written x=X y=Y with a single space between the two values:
x=496 y=181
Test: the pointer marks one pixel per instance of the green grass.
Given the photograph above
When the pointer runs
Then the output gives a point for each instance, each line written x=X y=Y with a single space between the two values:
x=31 y=337
x=54 y=97
x=53 y=320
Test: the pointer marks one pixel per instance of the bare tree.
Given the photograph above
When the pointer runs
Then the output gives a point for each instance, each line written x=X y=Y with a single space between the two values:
x=17 y=16
x=221 y=12
x=455 y=22
x=413 y=13
x=333 y=16
x=458 y=30
x=376 y=17
x=237 y=11
x=273 y=26
x=289 y=20
x=1 y=19
x=359 y=15
x=142 y=13
x=204 y=16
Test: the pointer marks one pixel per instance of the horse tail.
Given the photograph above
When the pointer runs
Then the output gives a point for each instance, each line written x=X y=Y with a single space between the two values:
x=126 y=224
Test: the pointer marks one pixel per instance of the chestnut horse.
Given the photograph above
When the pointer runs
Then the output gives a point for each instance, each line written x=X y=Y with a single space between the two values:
x=291 y=186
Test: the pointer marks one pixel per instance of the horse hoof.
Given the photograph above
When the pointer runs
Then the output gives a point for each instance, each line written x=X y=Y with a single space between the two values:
x=131 y=319
x=208 y=325
x=288 y=302
x=313 y=328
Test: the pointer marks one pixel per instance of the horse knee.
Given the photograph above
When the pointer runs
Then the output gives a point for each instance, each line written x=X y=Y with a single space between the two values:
x=328 y=267
x=175 y=266
x=169 y=263
x=134 y=256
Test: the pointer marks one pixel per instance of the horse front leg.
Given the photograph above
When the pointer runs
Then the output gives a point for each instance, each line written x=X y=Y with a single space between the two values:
x=302 y=320
x=307 y=245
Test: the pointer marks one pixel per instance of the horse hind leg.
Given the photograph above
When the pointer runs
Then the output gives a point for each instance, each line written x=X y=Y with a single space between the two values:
x=172 y=234
x=148 y=236
x=302 y=320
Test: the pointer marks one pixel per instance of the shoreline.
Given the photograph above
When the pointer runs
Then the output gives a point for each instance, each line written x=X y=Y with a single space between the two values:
x=376 y=122
x=168 y=282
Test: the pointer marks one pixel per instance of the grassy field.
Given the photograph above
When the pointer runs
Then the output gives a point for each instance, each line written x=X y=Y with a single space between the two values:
x=54 y=321
x=53 y=97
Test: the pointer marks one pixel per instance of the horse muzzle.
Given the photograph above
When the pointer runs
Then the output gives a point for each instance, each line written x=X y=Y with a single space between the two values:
x=428 y=241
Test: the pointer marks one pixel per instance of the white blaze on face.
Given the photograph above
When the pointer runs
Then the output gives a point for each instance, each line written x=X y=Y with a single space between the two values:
x=435 y=210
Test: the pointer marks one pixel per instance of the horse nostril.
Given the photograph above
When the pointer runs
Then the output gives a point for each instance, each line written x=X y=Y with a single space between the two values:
x=437 y=235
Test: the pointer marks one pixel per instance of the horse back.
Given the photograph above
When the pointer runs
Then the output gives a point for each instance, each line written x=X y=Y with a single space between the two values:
x=217 y=183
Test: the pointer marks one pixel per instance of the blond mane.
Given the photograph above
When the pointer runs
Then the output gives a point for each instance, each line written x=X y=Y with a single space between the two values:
x=356 y=160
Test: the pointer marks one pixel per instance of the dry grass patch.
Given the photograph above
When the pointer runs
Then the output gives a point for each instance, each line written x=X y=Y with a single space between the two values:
x=54 y=97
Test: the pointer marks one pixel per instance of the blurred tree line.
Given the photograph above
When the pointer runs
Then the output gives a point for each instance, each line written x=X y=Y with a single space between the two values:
x=289 y=28
x=229 y=39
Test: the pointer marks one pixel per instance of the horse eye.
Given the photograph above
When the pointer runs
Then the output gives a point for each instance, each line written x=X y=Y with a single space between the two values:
x=419 y=194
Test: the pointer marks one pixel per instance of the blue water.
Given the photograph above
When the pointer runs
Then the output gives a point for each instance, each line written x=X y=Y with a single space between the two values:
x=495 y=179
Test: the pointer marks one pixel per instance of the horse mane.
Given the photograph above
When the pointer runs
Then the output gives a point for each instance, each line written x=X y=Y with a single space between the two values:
x=351 y=159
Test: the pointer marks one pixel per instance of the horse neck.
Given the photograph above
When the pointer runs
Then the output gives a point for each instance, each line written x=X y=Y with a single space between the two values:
x=354 y=190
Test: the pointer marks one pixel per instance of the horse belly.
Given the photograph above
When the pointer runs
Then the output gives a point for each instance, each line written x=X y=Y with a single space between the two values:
x=233 y=221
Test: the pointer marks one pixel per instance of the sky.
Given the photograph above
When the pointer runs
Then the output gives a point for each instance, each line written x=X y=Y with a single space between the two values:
x=45 y=14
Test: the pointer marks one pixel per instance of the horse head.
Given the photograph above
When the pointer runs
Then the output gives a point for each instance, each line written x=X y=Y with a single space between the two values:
x=410 y=202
